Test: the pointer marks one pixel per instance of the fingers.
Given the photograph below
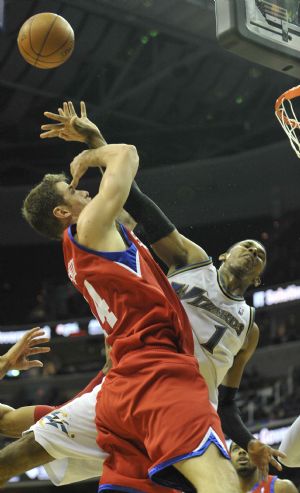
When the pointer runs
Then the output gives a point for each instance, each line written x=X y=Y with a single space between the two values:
x=278 y=453
x=83 y=109
x=49 y=135
x=71 y=109
x=35 y=335
x=34 y=363
x=68 y=109
x=52 y=126
x=32 y=333
x=38 y=350
x=39 y=340
x=275 y=464
x=54 y=116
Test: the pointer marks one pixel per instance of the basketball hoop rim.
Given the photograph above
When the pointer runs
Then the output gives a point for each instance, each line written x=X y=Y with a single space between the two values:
x=290 y=94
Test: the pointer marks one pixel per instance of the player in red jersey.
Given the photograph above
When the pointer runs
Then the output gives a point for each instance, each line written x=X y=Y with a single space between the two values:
x=250 y=478
x=154 y=415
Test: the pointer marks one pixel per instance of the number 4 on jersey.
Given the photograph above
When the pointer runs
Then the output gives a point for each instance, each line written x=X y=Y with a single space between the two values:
x=104 y=314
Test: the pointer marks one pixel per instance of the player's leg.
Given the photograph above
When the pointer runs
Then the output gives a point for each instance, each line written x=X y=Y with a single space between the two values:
x=290 y=445
x=210 y=472
x=68 y=434
x=20 y=456
x=161 y=406
x=14 y=421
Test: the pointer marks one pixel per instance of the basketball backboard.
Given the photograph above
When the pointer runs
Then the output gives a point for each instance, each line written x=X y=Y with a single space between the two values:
x=263 y=31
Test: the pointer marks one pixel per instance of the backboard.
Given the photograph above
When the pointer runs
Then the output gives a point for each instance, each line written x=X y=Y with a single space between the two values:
x=263 y=31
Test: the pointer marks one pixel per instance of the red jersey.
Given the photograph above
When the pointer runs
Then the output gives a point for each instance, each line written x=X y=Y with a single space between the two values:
x=267 y=486
x=129 y=295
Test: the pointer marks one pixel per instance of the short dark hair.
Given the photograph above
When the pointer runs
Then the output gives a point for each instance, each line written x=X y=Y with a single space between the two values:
x=39 y=204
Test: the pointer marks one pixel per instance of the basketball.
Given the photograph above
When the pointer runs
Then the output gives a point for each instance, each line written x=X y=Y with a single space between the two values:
x=46 y=40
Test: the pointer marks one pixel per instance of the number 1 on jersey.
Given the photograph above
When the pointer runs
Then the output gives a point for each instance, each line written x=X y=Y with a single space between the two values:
x=215 y=338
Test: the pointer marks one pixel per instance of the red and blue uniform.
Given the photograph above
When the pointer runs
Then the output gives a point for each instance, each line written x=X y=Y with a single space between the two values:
x=267 y=486
x=153 y=408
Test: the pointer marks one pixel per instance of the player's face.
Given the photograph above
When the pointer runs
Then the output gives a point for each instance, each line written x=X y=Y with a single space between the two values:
x=241 y=462
x=76 y=200
x=248 y=258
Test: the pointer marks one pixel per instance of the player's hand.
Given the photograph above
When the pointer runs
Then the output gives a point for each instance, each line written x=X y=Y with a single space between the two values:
x=17 y=356
x=262 y=456
x=71 y=127
x=79 y=166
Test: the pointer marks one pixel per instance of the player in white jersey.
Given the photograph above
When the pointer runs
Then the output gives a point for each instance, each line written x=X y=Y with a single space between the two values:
x=221 y=322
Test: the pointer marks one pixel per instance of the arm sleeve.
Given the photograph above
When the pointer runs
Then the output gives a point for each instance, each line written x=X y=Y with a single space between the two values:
x=231 y=420
x=152 y=221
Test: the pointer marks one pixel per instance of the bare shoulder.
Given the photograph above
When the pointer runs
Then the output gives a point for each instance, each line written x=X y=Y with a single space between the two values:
x=285 y=486
x=102 y=238
x=252 y=339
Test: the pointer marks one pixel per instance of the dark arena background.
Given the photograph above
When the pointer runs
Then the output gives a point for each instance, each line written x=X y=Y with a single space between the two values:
x=200 y=110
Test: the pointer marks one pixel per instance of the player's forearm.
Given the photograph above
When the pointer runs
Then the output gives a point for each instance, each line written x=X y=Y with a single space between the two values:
x=14 y=421
x=113 y=157
x=95 y=141
x=231 y=420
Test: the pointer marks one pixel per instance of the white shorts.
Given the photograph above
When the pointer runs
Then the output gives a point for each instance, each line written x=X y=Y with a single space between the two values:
x=69 y=435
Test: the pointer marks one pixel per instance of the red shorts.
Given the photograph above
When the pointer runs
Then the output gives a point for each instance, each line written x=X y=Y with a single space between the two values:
x=153 y=411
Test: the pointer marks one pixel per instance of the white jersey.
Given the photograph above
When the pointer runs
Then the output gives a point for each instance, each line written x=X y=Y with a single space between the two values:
x=220 y=322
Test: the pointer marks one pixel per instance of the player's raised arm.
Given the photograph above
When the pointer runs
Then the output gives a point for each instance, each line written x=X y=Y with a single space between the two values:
x=173 y=248
x=97 y=219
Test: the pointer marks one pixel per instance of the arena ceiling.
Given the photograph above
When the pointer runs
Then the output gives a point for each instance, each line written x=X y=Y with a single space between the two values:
x=151 y=73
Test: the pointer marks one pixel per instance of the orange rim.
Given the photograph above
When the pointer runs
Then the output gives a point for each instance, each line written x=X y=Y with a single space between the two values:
x=292 y=93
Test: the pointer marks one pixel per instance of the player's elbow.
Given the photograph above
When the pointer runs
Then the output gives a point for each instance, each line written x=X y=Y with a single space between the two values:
x=130 y=153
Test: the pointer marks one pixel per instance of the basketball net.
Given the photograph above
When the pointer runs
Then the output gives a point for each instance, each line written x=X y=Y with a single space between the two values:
x=287 y=117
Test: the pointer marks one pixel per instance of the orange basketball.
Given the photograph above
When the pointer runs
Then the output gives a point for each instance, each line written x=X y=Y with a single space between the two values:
x=46 y=40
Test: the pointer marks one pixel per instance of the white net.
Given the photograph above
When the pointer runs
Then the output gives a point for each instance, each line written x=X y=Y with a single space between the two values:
x=286 y=115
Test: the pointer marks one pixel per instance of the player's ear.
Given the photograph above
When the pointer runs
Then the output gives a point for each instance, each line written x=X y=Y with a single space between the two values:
x=61 y=212
x=223 y=257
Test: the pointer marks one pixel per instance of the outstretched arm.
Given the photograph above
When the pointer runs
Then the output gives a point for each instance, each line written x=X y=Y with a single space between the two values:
x=173 y=248
x=260 y=454
x=13 y=422
x=16 y=357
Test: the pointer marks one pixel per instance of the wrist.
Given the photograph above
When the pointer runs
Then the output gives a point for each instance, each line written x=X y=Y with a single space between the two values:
x=95 y=141
x=4 y=365
x=251 y=443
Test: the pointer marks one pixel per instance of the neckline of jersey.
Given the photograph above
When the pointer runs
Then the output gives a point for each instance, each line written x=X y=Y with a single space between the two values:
x=122 y=231
x=226 y=293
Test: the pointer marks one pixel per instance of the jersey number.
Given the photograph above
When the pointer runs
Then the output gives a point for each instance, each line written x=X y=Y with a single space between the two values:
x=104 y=314
x=214 y=340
